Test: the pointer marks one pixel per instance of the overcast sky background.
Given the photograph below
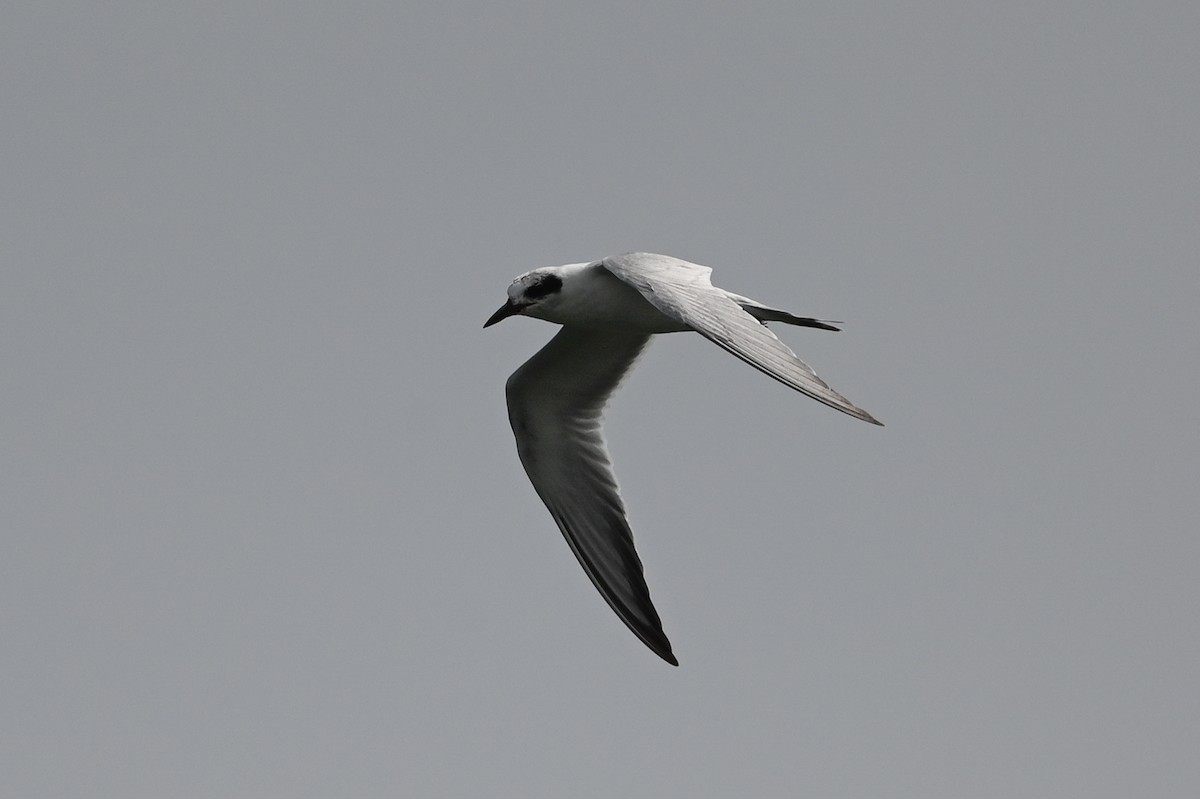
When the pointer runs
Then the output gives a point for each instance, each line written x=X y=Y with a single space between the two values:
x=264 y=530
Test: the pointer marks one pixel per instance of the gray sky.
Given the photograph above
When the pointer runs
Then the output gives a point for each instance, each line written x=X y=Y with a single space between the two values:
x=265 y=531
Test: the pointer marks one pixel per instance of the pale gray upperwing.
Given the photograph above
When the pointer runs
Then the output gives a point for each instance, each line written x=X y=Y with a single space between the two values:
x=684 y=291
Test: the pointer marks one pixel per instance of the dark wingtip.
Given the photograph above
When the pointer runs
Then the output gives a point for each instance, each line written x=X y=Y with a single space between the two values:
x=859 y=413
x=656 y=643
x=668 y=656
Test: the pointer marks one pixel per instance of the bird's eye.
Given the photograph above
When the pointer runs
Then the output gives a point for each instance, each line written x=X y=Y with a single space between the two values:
x=544 y=287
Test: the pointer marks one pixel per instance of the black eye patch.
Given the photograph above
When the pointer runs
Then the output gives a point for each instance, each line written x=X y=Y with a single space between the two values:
x=546 y=286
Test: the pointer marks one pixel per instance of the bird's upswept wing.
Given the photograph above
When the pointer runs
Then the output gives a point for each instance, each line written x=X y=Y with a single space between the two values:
x=556 y=404
x=685 y=292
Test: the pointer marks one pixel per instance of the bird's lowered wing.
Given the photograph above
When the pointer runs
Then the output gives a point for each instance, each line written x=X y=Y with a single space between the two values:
x=556 y=404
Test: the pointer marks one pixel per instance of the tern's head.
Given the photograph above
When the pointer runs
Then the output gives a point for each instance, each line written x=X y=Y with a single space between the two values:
x=530 y=293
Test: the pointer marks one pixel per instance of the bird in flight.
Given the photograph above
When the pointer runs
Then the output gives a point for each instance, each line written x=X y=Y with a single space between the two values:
x=608 y=310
